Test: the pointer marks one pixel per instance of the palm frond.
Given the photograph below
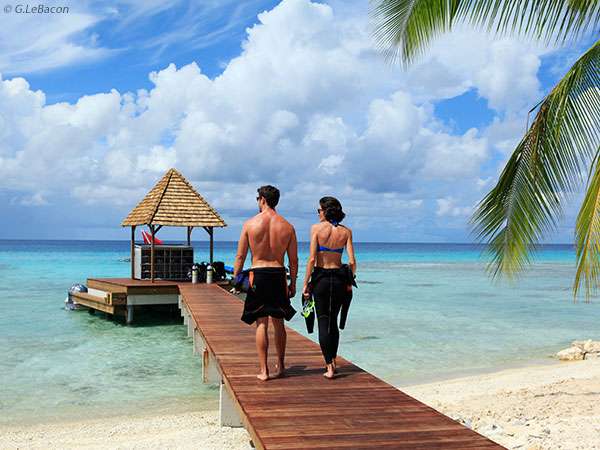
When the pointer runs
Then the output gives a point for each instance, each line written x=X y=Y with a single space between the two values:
x=526 y=203
x=587 y=236
x=404 y=28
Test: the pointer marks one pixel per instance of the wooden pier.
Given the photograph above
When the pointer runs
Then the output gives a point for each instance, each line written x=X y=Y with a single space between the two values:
x=302 y=410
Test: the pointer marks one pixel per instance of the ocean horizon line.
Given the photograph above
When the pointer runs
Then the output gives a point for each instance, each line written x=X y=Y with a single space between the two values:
x=231 y=241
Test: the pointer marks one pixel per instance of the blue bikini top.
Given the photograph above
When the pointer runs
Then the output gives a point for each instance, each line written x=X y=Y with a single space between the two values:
x=322 y=248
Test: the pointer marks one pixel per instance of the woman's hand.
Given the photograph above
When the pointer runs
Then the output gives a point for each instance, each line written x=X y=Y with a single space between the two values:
x=305 y=291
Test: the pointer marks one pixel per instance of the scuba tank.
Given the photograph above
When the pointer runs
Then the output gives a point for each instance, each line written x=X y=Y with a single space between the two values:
x=209 y=274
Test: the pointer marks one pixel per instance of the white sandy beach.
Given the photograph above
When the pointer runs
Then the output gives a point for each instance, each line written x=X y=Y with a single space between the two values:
x=190 y=430
x=554 y=406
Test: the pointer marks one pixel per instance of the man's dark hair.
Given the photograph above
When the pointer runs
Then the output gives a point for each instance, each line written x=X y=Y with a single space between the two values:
x=270 y=194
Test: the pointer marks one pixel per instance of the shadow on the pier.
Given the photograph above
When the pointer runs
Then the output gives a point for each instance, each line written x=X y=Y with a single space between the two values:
x=301 y=370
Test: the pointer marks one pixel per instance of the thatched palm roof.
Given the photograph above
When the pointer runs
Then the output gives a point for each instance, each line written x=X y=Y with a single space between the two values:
x=174 y=202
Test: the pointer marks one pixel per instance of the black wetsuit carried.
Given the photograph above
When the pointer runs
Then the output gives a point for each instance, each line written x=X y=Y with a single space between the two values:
x=267 y=295
x=331 y=289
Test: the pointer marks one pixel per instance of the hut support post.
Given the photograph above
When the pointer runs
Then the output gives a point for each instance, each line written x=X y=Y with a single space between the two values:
x=189 y=236
x=132 y=251
x=210 y=230
x=212 y=244
x=153 y=232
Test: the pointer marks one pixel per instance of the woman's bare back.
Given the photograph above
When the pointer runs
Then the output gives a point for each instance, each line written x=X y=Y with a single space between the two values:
x=331 y=237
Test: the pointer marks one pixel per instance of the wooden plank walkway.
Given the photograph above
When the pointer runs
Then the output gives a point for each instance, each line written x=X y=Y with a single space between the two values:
x=304 y=410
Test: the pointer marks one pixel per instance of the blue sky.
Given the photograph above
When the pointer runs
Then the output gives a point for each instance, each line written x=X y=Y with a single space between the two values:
x=96 y=104
x=139 y=42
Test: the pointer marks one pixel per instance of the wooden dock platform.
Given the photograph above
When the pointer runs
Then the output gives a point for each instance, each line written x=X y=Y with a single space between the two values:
x=304 y=410
x=119 y=296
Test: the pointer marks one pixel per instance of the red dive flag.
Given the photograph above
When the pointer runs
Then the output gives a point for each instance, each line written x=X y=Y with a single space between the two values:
x=148 y=238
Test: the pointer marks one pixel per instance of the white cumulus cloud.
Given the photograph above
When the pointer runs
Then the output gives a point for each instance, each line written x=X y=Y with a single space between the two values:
x=447 y=206
x=307 y=104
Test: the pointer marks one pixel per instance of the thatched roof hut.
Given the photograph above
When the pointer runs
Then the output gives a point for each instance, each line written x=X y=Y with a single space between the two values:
x=173 y=202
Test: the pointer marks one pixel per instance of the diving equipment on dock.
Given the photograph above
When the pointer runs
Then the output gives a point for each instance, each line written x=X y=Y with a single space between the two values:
x=171 y=262
x=70 y=303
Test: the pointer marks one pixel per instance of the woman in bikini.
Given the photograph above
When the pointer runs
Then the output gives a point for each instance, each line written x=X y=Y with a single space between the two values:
x=327 y=279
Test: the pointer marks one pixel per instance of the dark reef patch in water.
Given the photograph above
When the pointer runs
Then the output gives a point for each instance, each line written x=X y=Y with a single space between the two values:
x=85 y=390
x=536 y=296
x=476 y=295
x=366 y=338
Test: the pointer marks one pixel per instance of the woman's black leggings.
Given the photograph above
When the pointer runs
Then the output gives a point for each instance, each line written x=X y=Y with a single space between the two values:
x=329 y=292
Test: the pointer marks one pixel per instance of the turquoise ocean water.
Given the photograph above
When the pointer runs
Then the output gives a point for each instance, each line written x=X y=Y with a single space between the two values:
x=421 y=312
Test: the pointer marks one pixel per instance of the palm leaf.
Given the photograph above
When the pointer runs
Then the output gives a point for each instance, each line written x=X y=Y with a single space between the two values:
x=407 y=26
x=526 y=203
x=587 y=236
x=404 y=28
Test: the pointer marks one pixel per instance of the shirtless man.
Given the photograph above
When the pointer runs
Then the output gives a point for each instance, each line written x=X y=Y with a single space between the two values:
x=269 y=236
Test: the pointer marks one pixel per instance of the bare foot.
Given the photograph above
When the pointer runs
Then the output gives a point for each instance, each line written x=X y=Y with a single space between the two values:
x=263 y=376
x=330 y=373
x=279 y=371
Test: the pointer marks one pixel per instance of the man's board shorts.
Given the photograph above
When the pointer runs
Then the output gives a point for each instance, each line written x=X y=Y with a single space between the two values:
x=267 y=295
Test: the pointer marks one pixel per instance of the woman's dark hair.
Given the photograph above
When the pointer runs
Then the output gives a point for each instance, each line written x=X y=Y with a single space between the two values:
x=332 y=208
x=270 y=194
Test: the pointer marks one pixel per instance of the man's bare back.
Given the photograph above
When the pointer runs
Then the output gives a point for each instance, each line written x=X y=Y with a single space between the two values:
x=269 y=237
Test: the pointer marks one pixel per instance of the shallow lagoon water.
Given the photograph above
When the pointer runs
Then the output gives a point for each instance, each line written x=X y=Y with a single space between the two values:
x=421 y=312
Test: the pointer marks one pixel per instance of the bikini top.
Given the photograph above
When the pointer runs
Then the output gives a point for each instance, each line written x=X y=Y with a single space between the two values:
x=322 y=248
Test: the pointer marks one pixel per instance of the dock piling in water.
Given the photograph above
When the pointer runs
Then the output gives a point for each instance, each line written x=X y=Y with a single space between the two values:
x=228 y=414
x=129 y=314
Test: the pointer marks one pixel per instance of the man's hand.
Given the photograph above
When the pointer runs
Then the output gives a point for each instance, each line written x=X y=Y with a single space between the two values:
x=291 y=290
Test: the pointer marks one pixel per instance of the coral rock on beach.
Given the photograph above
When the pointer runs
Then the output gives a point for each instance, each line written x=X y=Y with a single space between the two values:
x=571 y=354
x=580 y=350
x=588 y=346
